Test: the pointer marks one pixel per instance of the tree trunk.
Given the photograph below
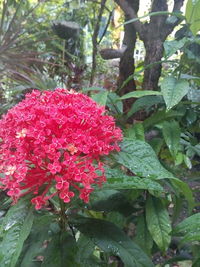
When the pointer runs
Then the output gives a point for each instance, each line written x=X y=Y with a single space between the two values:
x=153 y=41
x=154 y=53
x=127 y=63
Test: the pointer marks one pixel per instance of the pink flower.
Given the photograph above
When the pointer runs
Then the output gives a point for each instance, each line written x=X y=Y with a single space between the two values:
x=55 y=167
x=55 y=139
x=66 y=195
x=38 y=202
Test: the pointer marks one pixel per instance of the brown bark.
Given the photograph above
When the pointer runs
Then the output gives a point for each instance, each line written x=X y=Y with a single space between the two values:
x=127 y=63
x=109 y=53
x=153 y=42
x=154 y=53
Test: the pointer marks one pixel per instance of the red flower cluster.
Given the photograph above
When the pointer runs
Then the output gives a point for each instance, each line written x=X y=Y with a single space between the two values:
x=54 y=139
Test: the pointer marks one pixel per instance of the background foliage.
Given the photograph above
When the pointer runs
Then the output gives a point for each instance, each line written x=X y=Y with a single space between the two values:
x=147 y=213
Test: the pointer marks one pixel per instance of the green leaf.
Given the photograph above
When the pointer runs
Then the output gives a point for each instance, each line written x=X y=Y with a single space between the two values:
x=137 y=94
x=116 y=218
x=189 y=229
x=187 y=161
x=193 y=15
x=140 y=158
x=61 y=251
x=156 y=144
x=173 y=90
x=116 y=179
x=196 y=263
x=184 y=188
x=182 y=260
x=158 y=222
x=110 y=200
x=111 y=239
x=143 y=237
x=139 y=131
x=136 y=131
x=171 y=47
x=189 y=77
x=178 y=203
x=161 y=116
x=171 y=132
x=194 y=95
x=15 y=228
x=190 y=237
x=144 y=102
x=100 y=98
x=179 y=158
x=190 y=224
x=33 y=246
x=114 y=105
x=84 y=254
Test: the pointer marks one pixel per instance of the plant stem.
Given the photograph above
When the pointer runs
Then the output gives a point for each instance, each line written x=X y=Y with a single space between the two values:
x=63 y=219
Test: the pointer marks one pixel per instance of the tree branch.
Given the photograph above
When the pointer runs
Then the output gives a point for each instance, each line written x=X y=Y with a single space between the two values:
x=130 y=12
x=95 y=41
x=169 y=27
x=157 y=6
x=177 y=5
x=109 y=53
x=106 y=27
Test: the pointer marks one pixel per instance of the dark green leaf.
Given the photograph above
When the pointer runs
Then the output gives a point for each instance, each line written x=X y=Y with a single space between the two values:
x=189 y=225
x=116 y=218
x=137 y=94
x=173 y=90
x=136 y=132
x=140 y=158
x=196 y=263
x=171 y=132
x=183 y=260
x=100 y=98
x=113 y=240
x=190 y=237
x=33 y=246
x=194 y=95
x=14 y=230
x=161 y=116
x=110 y=200
x=171 y=47
x=61 y=252
x=116 y=179
x=114 y=105
x=84 y=255
x=143 y=237
x=189 y=229
x=145 y=102
x=183 y=188
x=158 y=222
x=156 y=144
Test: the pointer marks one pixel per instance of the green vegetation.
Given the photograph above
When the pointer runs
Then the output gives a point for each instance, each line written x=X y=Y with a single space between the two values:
x=147 y=213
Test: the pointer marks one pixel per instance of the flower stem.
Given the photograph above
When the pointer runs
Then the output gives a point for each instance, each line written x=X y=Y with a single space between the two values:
x=63 y=218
